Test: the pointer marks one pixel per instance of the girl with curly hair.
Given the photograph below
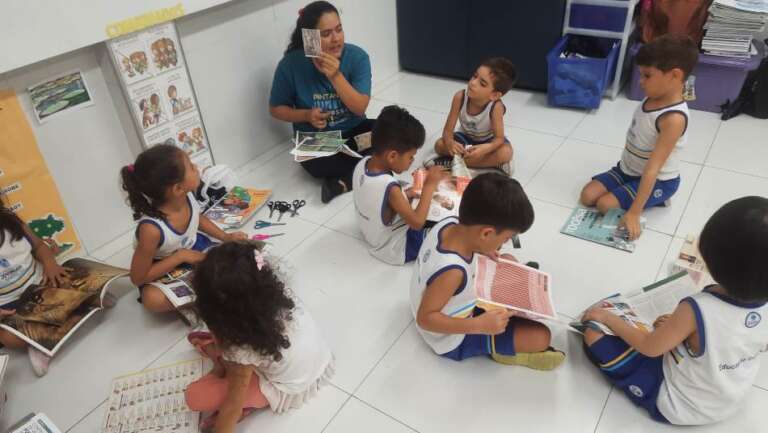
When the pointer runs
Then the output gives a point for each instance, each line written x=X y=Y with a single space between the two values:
x=266 y=348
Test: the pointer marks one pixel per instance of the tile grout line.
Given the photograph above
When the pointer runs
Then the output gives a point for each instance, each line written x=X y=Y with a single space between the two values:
x=338 y=411
x=602 y=411
x=384 y=413
x=86 y=415
x=549 y=158
x=386 y=352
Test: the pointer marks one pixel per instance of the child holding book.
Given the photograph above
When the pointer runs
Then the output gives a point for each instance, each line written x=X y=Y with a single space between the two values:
x=25 y=261
x=493 y=209
x=392 y=228
x=648 y=173
x=160 y=187
x=697 y=364
x=480 y=113
x=266 y=348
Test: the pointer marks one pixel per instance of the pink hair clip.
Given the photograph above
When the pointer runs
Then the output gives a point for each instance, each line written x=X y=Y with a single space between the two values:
x=130 y=168
x=301 y=11
x=259 y=257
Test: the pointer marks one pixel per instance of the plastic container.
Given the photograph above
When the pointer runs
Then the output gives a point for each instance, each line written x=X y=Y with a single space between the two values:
x=598 y=17
x=580 y=82
x=718 y=80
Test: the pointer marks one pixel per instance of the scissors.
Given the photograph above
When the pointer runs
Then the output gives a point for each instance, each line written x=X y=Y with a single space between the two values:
x=297 y=204
x=272 y=206
x=261 y=237
x=260 y=224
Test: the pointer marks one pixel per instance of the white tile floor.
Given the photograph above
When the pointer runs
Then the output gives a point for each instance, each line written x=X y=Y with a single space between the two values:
x=388 y=380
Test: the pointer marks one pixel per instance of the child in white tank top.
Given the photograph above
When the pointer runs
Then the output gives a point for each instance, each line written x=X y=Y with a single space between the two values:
x=160 y=189
x=480 y=113
x=699 y=363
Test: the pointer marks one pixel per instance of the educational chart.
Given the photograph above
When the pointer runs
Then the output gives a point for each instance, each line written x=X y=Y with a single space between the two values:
x=25 y=179
x=155 y=80
x=153 y=400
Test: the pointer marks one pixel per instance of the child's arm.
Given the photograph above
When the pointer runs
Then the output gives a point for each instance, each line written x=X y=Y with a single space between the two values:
x=208 y=227
x=670 y=332
x=144 y=269
x=497 y=124
x=671 y=128
x=431 y=318
x=415 y=218
x=449 y=144
x=238 y=380
x=53 y=273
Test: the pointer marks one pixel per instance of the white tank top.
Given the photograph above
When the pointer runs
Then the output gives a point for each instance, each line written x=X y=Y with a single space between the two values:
x=18 y=268
x=433 y=260
x=708 y=387
x=171 y=240
x=387 y=240
x=477 y=127
x=641 y=141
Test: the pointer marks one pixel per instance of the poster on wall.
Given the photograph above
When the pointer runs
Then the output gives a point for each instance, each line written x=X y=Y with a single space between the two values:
x=54 y=96
x=26 y=185
x=151 y=67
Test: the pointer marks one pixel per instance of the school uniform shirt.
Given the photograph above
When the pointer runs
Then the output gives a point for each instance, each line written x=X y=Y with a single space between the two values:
x=477 y=127
x=18 y=268
x=387 y=239
x=710 y=386
x=433 y=261
x=171 y=240
x=299 y=84
x=641 y=141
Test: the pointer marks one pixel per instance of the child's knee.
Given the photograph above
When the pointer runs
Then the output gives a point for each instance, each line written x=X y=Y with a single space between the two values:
x=607 y=202
x=590 y=194
x=154 y=300
x=440 y=147
x=196 y=397
x=532 y=336
x=591 y=336
x=12 y=341
x=505 y=153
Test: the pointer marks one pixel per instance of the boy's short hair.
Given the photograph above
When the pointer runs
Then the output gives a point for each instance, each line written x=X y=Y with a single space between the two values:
x=503 y=71
x=498 y=201
x=734 y=245
x=396 y=129
x=668 y=52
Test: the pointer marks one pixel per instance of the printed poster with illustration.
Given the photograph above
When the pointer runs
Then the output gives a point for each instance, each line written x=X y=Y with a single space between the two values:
x=159 y=90
x=26 y=184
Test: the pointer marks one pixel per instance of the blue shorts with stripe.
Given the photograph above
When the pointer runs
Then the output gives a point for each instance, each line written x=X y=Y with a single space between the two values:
x=637 y=375
x=485 y=345
x=624 y=188
x=466 y=140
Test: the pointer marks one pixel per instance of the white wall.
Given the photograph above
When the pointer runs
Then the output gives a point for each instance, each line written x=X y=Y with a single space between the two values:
x=231 y=51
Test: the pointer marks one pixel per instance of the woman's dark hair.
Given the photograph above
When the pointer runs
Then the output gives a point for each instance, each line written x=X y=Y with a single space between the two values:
x=734 y=246
x=308 y=18
x=241 y=304
x=11 y=222
x=147 y=181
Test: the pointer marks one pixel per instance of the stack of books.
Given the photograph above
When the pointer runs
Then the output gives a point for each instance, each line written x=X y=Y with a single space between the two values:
x=731 y=26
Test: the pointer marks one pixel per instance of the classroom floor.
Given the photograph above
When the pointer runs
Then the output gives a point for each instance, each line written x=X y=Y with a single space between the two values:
x=387 y=379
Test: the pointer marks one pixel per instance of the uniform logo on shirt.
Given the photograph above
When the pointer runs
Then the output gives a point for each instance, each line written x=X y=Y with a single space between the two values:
x=634 y=389
x=753 y=318
x=4 y=263
x=426 y=255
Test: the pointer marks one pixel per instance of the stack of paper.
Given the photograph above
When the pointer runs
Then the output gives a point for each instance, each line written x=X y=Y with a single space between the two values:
x=731 y=25
x=311 y=145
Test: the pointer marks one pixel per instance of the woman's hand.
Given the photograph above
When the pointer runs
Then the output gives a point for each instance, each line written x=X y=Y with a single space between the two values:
x=317 y=118
x=327 y=65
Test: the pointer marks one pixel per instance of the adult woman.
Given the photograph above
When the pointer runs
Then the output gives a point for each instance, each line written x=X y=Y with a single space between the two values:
x=326 y=93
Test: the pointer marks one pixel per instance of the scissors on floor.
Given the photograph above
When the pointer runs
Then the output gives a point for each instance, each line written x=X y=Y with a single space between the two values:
x=260 y=224
x=297 y=204
x=261 y=237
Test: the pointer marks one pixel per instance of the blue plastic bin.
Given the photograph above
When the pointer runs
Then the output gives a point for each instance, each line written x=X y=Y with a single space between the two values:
x=599 y=17
x=580 y=83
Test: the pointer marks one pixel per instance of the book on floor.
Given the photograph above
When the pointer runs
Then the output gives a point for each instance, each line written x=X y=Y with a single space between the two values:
x=237 y=207
x=153 y=400
x=508 y=284
x=46 y=316
x=641 y=308
x=447 y=196
x=34 y=423
x=689 y=259
x=177 y=286
x=590 y=225
x=311 y=145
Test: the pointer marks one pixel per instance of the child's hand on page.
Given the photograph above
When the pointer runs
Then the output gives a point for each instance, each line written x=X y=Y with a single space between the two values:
x=435 y=174
x=596 y=314
x=493 y=322
x=6 y=313
x=631 y=221
x=54 y=274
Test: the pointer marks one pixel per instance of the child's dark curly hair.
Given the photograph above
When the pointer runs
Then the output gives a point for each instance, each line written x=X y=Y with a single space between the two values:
x=241 y=304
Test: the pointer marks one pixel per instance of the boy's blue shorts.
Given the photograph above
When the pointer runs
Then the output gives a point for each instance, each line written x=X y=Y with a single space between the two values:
x=477 y=345
x=413 y=241
x=624 y=188
x=466 y=140
x=627 y=369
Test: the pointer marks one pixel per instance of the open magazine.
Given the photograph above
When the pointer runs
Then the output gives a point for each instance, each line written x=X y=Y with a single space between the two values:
x=689 y=259
x=447 y=196
x=642 y=308
x=237 y=207
x=508 y=284
x=47 y=316
x=4 y=358
x=177 y=286
x=311 y=145
x=590 y=225
x=34 y=423
x=153 y=400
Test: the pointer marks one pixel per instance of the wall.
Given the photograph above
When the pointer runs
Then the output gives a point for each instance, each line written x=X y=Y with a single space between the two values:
x=231 y=52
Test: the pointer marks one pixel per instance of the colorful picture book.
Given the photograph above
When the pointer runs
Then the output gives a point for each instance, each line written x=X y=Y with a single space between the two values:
x=311 y=145
x=237 y=207
x=508 y=284
x=590 y=225
x=34 y=423
x=447 y=196
x=689 y=260
x=153 y=400
x=47 y=316
x=642 y=308
x=177 y=286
